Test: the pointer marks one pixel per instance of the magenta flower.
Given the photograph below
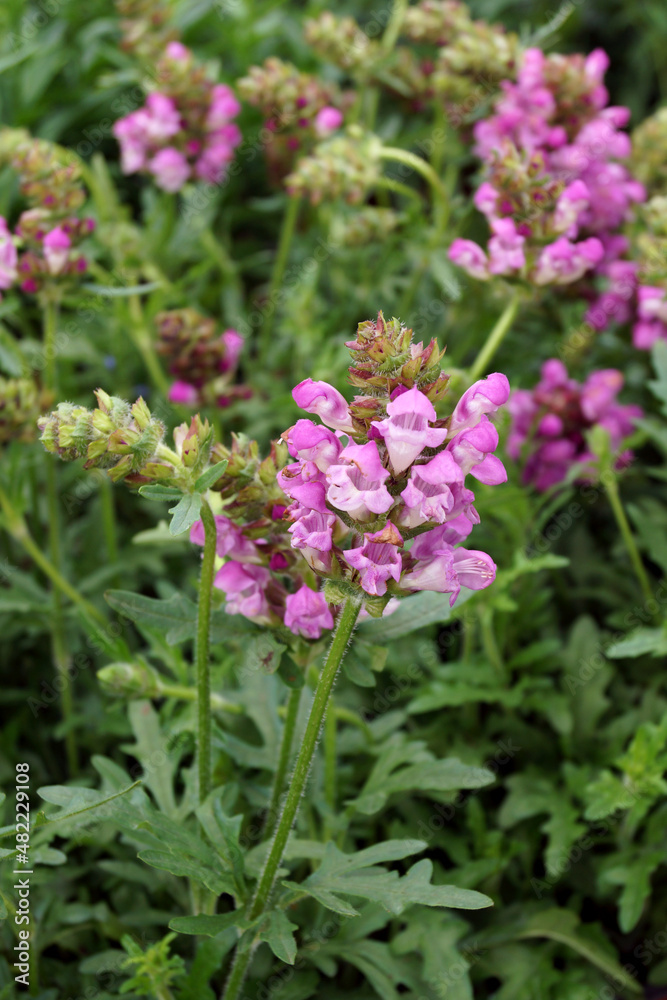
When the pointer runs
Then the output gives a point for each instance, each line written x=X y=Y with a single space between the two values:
x=230 y=540
x=406 y=430
x=56 y=250
x=357 y=486
x=170 y=169
x=327 y=120
x=182 y=393
x=233 y=344
x=573 y=201
x=483 y=396
x=377 y=560
x=505 y=248
x=469 y=256
x=651 y=323
x=8 y=257
x=224 y=106
x=471 y=449
x=244 y=587
x=325 y=401
x=442 y=568
x=307 y=613
x=563 y=262
x=312 y=534
x=428 y=495
x=311 y=442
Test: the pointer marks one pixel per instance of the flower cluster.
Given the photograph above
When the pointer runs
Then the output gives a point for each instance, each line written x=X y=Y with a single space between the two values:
x=202 y=361
x=21 y=402
x=45 y=245
x=185 y=130
x=346 y=165
x=144 y=26
x=299 y=110
x=554 y=192
x=384 y=469
x=550 y=423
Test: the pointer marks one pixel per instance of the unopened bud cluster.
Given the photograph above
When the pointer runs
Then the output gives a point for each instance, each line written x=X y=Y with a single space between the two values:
x=202 y=360
x=299 y=109
x=345 y=166
x=21 y=402
x=44 y=249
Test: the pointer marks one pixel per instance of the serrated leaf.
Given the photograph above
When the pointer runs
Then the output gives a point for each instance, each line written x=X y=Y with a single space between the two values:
x=635 y=878
x=359 y=875
x=210 y=476
x=176 y=616
x=191 y=868
x=263 y=652
x=278 y=932
x=605 y=795
x=224 y=832
x=185 y=513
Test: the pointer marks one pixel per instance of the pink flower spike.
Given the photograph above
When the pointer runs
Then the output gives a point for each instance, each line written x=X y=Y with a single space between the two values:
x=307 y=613
x=356 y=482
x=377 y=560
x=327 y=120
x=406 y=430
x=505 y=248
x=470 y=257
x=182 y=393
x=472 y=449
x=170 y=169
x=325 y=401
x=484 y=396
x=244 y=588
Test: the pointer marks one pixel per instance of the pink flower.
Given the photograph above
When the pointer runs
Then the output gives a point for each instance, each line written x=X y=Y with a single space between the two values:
x=444 y=569
x=170 y=169
x=377 y=560
x=233 y=342
x=563 y=262
x=244 y=587
x=486 y=201
x=182 y=393
x=571 y=203
x=328 y=403
x=311 y=442
x=505 y=248
x=224 y=107
x=428 y=495
x=8 y=256
x=327 y=120
x=357 y=486
x=406 y=430
x=471 y=448
x=229 y=540
x=56 y=250
x=307 y=613
x=178 y=52
x=162 y=120
x=484 y=396
x=470 y=257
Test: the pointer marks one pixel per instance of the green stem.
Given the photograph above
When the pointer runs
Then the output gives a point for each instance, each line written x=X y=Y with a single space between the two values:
x=399 y=188
x=202 y=653
x=289 y=726
x=280 y=263
x=108 y=520
x=143 y=341
x=58 y=634
x=420 y=166
x=183 y=693
x=628 y=538
x=329 y=772
x=393 y=29
x=19 y=531
x=495 y=338
x=347 y=619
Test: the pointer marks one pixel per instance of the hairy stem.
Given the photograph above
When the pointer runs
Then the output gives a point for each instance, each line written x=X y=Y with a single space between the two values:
x=420 y=166
x=347 y=619
x=202 y=653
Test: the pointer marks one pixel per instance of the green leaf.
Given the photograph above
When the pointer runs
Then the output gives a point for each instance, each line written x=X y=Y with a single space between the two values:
x=278 y=932
x=635 y=878
x=210 y=476
x=358 y=875
x=263 y=652
x=155 y=491
x=639 y=643
x=122 y=291
x=224 y=832
x=176 y=617
x=208 y=925
x=605 y=795
x=151 y=750
x=185 y=513
x=413 y=613
x=659 y=386
x=564 y=926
